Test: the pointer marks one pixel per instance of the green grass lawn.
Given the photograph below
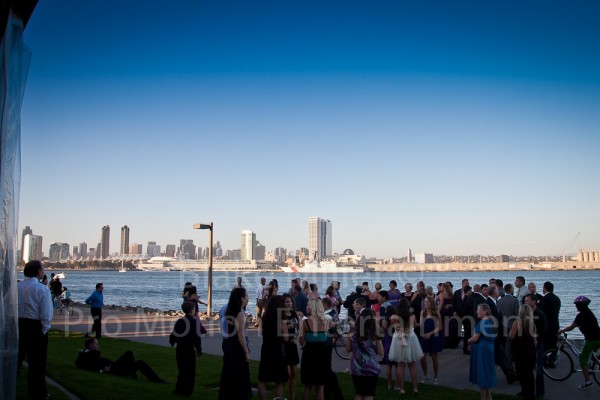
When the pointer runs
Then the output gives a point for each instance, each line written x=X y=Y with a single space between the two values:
x=62 y=352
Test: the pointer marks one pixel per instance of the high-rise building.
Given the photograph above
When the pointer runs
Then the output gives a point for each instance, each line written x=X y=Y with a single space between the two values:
x=319 y=238
x=135 y=249
x=170 y=250
x=75 y=250
x=259 y=252
x=83 y=249
x=98 y=254
x=58 y=252
x=104 y=242
x=187 y=249
x=125 y=239
x=153 y=249
x=409 y=256
x=32 y=247
x=248 y=245
x=280 y=254
x=424 y=258
x=26 y=231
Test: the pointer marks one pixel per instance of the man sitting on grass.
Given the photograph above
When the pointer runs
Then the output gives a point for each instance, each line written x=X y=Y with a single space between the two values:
x=89 y=359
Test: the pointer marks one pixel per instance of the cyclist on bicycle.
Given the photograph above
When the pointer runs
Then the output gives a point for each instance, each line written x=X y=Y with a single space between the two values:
x=588 y=325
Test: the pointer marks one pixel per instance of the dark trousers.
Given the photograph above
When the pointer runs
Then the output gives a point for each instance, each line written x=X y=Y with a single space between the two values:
x=126 y=365
x=33 y=345
x=501 y=359
x=540 y=389
x=186 y=366
x=466 y=323
x=97 y=317
x=525 y=373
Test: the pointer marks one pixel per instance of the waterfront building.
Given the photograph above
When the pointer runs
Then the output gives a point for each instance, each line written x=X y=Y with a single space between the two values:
x=26 y=231
x=83 y=249
x=502 y=258
x=409 y=256
x=153 y=249
x=170 y=250
x=248 y=245
x=424 y=258
x=233 y=254
x=135 y=249
x=124 y=239
x=259 y=252
x=58 y=252
x=32 y=247
x=104 y=246
x=302 y=253
x=187 y=249
x=280 y=254
x=98 y=253
x=319 y=238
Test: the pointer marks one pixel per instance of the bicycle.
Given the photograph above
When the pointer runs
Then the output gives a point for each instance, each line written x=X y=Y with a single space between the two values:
x=558 y=363
x=66 y=306
x=339 y=339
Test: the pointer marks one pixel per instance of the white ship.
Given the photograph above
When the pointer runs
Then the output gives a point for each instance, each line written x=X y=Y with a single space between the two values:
x=325 y=267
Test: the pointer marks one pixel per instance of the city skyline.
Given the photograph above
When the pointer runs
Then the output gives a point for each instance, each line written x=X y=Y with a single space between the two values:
x=463 y=128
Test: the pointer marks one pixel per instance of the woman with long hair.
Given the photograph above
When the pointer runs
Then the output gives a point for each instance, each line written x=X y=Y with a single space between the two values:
x=445 y=310
x=314 y=292
x=272 y=366
x=431 y=338
x=290 y=337
x=482 y=370
x=523 y=348
x=365 y=344
x=394 y=293
x=235 y=374
x=314 y=367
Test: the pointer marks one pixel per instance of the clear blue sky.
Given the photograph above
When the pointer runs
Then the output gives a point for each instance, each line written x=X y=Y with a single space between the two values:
x=447 y=127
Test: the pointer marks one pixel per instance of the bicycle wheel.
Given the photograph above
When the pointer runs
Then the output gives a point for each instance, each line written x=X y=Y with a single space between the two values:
x=339 y=345
x=558 y=364
x=595 y=367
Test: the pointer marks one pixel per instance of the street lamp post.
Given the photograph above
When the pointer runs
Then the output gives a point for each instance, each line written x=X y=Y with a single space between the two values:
x=210 y=266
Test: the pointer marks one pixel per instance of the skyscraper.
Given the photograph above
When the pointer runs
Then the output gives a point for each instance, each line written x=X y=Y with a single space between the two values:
x=248 y=245
x=26 y=231
x=32 y=247
x=153 y=249
x=83 y=249
x=170 y=250
x=319 y=238
x=125 y=239
x=105 y=242
x=58 y=252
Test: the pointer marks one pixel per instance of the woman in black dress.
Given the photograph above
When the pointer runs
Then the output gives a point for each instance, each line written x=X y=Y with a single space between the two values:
x=272 y=366
x=235 y=374
x=290 y=337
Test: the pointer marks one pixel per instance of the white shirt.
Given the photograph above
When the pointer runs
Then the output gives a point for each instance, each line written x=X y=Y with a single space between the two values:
x=259 y=291
x=35 y=302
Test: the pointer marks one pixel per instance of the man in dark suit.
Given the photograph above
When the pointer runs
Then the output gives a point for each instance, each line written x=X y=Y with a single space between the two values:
x=479 y=296
x=533 y=290
x=458 y=302
x=500 y=340
x=541 y=327
x=467 y=321
x=550 y=305
x=89 y=359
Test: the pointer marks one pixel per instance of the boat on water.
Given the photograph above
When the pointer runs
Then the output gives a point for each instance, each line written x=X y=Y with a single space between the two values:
x=325 y=267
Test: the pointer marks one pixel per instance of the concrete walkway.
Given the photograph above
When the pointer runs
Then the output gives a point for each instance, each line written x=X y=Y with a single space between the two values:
x=155 y=329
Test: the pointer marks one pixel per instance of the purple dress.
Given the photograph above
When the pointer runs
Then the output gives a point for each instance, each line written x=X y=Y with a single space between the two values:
x=394 y=297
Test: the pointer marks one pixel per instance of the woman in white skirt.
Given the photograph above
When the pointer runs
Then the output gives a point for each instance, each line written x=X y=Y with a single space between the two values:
x=405 y=348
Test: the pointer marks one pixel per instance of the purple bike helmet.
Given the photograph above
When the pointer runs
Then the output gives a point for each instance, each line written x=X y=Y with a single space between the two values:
x=582 y=299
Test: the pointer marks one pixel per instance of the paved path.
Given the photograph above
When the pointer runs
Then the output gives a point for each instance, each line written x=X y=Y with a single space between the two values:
x=155 y=329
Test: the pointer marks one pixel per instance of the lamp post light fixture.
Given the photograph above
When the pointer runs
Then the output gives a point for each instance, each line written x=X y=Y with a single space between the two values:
x=210 y=266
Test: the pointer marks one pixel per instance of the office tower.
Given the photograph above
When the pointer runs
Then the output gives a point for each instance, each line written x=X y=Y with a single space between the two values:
x=424 y=258
x=32 y=247
x=104 y=242
x=58 y=252
x=125 y=239
x=170 y=250
x=83 y=249
x=233 y=254
x=135 y=249
x=153 y=249
x=248 y=245
x=409 y=256
x=217 y=250
x=280 y=254
x=75 y=250
x=98 y=254
x=259 y=252
x=26 y=231
x=319 y=238
x=187 y=249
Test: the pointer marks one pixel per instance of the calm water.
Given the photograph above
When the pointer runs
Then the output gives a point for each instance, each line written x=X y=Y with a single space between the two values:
x=162 y=290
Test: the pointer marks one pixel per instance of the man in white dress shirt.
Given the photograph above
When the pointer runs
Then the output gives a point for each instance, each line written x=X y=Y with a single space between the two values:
x=35 y=317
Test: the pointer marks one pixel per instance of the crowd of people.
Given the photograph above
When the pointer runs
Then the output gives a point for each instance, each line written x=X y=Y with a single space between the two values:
x=494 y=324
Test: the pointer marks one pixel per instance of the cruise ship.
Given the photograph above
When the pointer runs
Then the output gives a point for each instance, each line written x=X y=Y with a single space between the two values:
x=325 y=267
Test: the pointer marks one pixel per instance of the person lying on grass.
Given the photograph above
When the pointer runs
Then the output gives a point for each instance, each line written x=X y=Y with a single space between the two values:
x=89 y=359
